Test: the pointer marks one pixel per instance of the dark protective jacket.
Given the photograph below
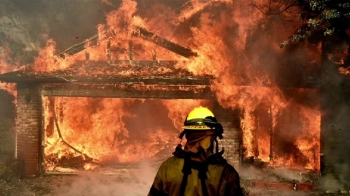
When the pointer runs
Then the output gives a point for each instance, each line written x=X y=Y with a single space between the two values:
x=181 y=176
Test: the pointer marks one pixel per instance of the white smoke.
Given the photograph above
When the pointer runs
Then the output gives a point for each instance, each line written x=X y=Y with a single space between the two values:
x=124 y=181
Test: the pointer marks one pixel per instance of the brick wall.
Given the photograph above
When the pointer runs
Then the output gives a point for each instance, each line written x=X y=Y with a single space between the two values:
x=28 y=128
x=232 y=141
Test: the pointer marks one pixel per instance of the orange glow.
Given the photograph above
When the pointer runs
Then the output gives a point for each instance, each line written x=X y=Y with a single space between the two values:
x=47 y=60
x=4 y=68
x=218 y=54
x=277 y=126
x=110 y=130
x=6 y=65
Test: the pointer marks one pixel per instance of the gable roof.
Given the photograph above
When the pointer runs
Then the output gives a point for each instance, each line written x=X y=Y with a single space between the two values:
x=117 y=71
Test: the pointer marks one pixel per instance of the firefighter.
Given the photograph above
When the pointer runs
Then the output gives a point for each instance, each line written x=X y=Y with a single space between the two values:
x=195 y=169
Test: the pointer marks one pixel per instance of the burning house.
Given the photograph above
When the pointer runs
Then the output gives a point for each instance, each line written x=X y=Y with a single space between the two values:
x=100 y=112
x=113 y=99
x=48 y=121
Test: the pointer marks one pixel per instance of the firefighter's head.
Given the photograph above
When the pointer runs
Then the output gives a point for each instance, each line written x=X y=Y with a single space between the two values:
x=201 y=129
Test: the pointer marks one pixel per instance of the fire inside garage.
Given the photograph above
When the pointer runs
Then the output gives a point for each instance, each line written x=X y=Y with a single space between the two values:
x=121 y=97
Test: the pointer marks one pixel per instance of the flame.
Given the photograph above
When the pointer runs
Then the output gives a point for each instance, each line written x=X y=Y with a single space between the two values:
x=223 y=35
x=48 y=61
x=7 y=64
x=11 y=88
x=237 y=83
x=109 y=130
x=195 y=6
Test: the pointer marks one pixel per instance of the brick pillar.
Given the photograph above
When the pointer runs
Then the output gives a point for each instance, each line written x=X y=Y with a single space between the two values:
x=232 y=141
x=28 y=128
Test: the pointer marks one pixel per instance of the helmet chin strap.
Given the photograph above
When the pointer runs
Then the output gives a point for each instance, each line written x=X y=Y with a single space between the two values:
x=182 y=134
x=217 y=147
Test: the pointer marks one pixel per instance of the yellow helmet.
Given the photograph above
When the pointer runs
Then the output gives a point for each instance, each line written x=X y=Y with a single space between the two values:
x=195 y=119
x=201 y=119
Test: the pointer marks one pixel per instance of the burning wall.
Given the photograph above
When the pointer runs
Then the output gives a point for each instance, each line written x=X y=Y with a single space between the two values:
x=69 y=134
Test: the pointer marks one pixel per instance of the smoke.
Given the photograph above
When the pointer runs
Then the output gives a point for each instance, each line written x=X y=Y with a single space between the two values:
x=128 y=181
x=67 y=22
x=336 y=145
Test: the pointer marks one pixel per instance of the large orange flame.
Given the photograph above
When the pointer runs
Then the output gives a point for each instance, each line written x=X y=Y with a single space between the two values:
x=277 y=127
x=237 y=85
x=110 y=130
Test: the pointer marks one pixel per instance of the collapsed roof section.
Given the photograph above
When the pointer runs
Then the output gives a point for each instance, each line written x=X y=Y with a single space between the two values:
x=112 y=72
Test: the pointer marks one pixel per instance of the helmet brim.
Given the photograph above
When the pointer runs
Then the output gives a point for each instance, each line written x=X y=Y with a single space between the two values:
x=196 y=127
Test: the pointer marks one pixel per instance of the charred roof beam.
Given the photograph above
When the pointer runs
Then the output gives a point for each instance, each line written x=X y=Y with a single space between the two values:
x=161 y=41
x=139 y=32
